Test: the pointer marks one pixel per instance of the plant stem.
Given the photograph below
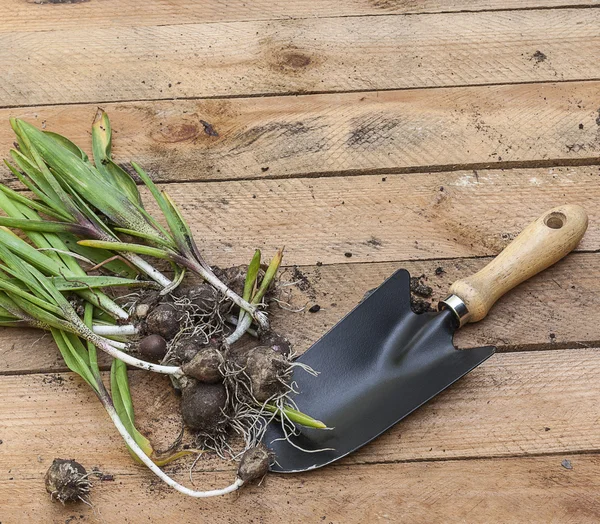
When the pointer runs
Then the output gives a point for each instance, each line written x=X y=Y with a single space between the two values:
x=112 y=413
x=240 y=329
x=112 y=330
x=148 y=269
x=212 y=279
x=106 y=346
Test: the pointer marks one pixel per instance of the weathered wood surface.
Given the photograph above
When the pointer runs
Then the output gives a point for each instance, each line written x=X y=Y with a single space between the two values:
x=513 y=405
x=53 y=15
x=101 y=64
x=503 y=408
x=554 y=310
x=422 y=130
x=523 y=490
x=357 y=169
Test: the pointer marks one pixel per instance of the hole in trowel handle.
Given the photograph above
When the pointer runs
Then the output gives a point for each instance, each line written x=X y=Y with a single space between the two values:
x=555 y=220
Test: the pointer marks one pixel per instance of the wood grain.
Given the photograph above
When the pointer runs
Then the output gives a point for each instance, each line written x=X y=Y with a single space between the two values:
x=431 y=129
x=48 y=15
x=524 y=490
x=553 y=310
x=375 y=218
x=515 y=404
x=101 y=64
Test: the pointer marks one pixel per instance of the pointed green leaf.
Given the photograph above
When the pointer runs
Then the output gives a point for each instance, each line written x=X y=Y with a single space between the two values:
x=121 y=395
x=297 y=416
x=131 y=248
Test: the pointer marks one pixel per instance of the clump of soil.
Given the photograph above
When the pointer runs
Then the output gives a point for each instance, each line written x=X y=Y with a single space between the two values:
x=254 y=464
x=203 y=406
x=67 y=481
x=267 y=370
x=205 y=366
x=418 y=292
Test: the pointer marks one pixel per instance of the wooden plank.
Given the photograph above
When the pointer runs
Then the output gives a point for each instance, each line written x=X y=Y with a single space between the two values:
x=421 y=130
x=533 y=490
x=550 y=311
x=102 y=64
x=42 y=15
x=515 y=404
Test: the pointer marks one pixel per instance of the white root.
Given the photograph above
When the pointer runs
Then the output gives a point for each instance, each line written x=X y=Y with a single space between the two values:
x=157 y=471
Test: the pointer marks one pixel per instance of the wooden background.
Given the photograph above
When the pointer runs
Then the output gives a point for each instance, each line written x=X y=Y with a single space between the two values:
x=417 y=134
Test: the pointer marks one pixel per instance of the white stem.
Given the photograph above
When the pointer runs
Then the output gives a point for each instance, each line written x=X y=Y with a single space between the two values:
x=159 y=472
x=147 y=268
x=108 y=347
x=105 y=303
x=240 y=329
x=108 y=330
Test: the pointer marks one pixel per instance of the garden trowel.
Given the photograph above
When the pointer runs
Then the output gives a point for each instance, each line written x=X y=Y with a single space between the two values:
x=382 y=361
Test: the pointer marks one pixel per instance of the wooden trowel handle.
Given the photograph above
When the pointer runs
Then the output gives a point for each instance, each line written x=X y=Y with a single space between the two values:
x=538 y=246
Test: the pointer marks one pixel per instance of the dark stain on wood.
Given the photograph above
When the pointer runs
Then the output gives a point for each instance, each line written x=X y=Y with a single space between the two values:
x=372 y=131
x=208 y=128
x=303 y=137
x=395 y=5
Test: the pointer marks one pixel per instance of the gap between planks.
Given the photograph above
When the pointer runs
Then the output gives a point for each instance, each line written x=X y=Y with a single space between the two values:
x=511 y=406
x=42 y=16
x=291 y=56
x=552 y=310
x=528 y=490
x=395 y=131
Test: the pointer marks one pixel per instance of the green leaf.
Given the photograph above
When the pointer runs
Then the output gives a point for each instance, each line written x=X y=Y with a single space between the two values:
x=251 y=276
x=269 y=276
x=30 y=203
x=93 y=282
x=114 y=174
x=75 y=356
x=99 y=256
x=86 y=180
x=127 y=247
x=45 y=226
x=150 y=238
x=121 y=395
x=67 y=144
x=297 y=417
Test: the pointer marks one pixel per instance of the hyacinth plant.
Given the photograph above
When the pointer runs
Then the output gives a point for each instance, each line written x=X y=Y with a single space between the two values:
x=78 y=213
x=62 y=176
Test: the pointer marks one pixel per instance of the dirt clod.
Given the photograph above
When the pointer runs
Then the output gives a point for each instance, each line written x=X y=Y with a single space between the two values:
x=277 y=343
x=203 y=405
x=205 y=365
x=267 y=371
x=418 y=288
x=254 y=464
x=419 y=305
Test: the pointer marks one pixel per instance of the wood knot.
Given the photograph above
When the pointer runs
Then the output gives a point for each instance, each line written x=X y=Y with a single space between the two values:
x=289 y=60
x=295 y=60
x=173 y=133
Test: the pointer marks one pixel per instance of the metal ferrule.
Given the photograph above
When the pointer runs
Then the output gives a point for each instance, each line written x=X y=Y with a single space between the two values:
x=457 y=306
